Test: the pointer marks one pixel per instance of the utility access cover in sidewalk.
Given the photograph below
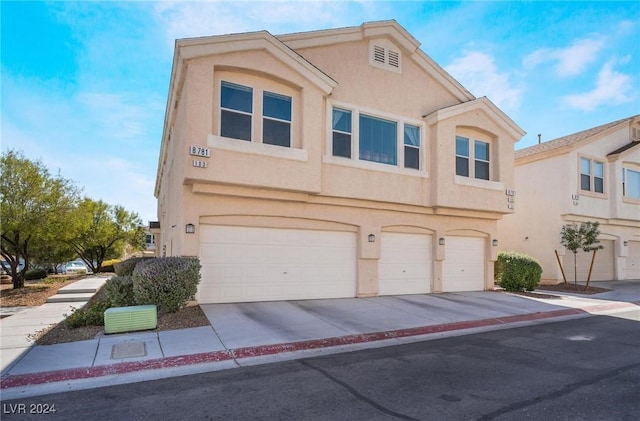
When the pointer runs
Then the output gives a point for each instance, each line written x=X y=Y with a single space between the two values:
x=128 y=350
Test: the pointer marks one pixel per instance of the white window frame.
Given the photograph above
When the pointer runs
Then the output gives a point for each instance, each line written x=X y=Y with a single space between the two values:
x=625 y=196
x=257 y=114
x=592 y=176
x=355 y=160
x=471 y=158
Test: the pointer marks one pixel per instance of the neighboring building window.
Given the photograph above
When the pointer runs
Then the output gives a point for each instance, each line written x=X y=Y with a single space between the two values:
x=236 y=108
x=411 y=146
x=378 y=140
x=150 y=239
x=591 y=175
x=276 y=122
x=473 y=157
x=341 y=128
x=631 y=183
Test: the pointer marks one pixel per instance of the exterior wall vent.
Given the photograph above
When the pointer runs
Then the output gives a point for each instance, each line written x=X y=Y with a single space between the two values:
x=384 y=55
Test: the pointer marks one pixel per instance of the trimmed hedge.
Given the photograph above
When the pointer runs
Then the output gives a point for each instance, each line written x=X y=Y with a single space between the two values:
x=119 y=291
x=517 y=272
x=167 y=282
x=33 y=274
x=126 y=267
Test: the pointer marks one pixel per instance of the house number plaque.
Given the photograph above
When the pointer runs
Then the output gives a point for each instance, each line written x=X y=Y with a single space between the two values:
x=199 y=151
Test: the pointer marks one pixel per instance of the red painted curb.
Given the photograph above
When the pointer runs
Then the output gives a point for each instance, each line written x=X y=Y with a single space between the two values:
x=263 y=350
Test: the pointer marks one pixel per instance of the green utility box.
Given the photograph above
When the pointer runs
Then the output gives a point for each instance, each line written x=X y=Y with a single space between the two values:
x=130 y=319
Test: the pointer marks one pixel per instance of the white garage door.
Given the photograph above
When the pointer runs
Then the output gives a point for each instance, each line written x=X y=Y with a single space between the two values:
x=405 y=264
x=241 y=264
x=603 y=267
x=633 y=260
x=463 y=267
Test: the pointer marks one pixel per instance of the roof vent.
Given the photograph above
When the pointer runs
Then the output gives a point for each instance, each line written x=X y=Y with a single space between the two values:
x=384 y=55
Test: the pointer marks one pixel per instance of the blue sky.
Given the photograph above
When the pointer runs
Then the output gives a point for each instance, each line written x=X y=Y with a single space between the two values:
x=84 y=84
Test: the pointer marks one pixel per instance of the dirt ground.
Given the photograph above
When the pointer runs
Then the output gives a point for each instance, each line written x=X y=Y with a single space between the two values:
x=35 y=293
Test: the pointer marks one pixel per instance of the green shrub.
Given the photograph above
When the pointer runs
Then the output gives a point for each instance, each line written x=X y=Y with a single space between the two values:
x=119 y=291
x=91 y=315
x=108 y=265
x=517 y=272
x=167 y=282
x=33 y=274
x=126 y=267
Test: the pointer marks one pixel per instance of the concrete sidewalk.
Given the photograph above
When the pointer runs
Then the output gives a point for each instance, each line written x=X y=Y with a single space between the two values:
x=254 y=333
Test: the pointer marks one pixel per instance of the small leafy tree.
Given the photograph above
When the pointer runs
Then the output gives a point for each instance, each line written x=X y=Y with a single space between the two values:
x=34 y=204
x=585 y=237
x=103 y=230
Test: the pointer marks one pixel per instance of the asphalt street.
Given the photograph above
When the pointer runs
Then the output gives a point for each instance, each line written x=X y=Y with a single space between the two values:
x=582 y=369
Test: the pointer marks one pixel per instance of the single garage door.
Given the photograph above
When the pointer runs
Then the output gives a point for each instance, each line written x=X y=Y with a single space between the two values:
x=405 y=264
x=603 y=267
x=633 y=260
x=463 y=267
x=242 y=264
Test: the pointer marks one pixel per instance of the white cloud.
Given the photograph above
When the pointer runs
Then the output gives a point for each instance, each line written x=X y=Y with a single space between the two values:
x=571 y=60
x=478 y=72
x=196 y=19
x=612 y=88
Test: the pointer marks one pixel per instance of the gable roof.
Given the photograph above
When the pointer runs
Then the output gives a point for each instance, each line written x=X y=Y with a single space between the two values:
x=483 y=103
x=369 y=30
x=569 y=142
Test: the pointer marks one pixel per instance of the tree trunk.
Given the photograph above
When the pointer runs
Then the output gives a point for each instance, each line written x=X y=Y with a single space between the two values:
x=593 y=259
x=564 y=277
x=575 y=268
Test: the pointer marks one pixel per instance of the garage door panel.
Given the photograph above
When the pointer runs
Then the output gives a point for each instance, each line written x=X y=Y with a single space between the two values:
x=405 y=264
x=463 y=267
x=603 y=267
x=633 y=260
x=241 y=264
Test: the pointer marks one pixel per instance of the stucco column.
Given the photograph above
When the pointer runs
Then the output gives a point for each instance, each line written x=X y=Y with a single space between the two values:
x=368 y=259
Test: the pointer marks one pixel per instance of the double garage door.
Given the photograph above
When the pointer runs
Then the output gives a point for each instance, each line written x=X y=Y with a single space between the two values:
x=243 y=264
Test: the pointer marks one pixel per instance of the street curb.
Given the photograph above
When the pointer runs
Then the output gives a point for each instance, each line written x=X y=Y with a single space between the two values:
x=21 y=380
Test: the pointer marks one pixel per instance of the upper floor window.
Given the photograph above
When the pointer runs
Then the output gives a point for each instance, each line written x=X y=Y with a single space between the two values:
x=341 y=130
x=237 y=114
x=591 y=175
x=630 y=183
x=378 y=140
x=411 y=146
x=276 y=124
x=472 y=157
x=236 y=108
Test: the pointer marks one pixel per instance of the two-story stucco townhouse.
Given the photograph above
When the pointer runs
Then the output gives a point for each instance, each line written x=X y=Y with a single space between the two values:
x=592 y=175
x=324 y=164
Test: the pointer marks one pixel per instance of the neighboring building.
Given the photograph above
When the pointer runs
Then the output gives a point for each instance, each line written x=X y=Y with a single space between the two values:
x=150 y=249
x=326 y=164
x=592 y=175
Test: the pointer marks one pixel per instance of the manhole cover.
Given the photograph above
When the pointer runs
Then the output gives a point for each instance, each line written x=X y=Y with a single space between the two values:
x=128 y=349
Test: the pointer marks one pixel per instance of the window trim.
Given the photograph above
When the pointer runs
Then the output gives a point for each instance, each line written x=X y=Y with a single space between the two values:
x=355 y=160
x=592 y=177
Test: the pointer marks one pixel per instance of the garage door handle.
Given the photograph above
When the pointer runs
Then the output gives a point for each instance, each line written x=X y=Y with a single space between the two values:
x=284 y=273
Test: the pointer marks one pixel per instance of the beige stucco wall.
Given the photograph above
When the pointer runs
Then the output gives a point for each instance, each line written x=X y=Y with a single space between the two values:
x=549 y=195
x=253 y=184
